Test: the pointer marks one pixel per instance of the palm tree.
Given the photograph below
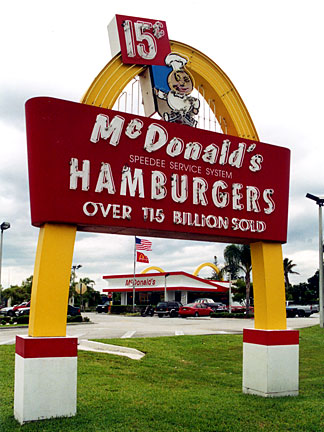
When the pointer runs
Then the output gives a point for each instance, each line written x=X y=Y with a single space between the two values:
x=90 y=293
x=216 y=276
x=238 y=259
x=288 y=269
x=88 y=282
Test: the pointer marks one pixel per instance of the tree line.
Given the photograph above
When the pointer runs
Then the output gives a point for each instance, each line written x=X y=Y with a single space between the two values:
x=17 y=294
x=238 y=266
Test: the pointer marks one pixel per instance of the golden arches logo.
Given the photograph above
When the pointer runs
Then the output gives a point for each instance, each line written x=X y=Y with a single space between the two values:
x=158 y=269
x=207 y=264
x=195 y=273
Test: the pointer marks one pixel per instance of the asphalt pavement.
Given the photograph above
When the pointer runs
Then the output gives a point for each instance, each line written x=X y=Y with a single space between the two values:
x=104 y=326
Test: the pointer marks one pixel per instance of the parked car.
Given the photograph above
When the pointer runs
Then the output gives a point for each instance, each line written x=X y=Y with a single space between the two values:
x=7 y=311
x=73 y=311
x=195 y=309
x=315 y=308
x=22 y=311
x=204 y=300
x=20 y=306
x=216 y=306
x=166 y=308
x=103 y=307
x=300 y=310
x=240 y=308
x=12 y=310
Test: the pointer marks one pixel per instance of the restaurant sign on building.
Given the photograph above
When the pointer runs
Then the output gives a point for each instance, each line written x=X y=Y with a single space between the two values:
x=166 y=283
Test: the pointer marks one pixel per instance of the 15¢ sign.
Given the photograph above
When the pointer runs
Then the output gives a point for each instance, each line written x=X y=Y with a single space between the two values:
x=140 y=40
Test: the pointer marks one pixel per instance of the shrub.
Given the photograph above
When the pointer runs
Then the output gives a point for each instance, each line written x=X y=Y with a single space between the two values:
x=90 y=309
x=76 y=318
x=121 y=309
x=23 y=319
x=5 y=320
x=231 y=315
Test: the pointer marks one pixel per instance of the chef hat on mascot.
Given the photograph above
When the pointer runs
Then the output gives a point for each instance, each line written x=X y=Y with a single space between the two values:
x=175 y=61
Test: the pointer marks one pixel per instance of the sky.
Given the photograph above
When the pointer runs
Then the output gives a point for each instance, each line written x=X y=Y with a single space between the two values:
x=271 y=50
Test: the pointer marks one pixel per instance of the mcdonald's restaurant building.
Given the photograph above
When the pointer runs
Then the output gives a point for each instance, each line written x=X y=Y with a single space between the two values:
x=150 y=288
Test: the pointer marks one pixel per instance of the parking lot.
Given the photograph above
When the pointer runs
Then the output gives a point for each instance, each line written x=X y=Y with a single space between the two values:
x=104 y=326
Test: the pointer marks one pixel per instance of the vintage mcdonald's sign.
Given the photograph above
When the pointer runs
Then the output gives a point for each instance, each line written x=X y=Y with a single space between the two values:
x=107 y=171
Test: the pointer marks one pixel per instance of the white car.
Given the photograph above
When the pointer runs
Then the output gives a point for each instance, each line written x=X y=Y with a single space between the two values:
x=204 y=300
x=216 y=306
x=7 y=311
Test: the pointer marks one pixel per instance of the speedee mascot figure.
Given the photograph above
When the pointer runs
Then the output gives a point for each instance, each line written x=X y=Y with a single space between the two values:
x=182 y=106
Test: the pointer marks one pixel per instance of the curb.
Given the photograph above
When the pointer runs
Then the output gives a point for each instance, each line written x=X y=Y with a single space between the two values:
x=132 y=353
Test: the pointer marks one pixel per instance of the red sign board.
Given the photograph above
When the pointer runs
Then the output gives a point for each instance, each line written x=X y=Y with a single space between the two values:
x=140 y=40
x=107 y=171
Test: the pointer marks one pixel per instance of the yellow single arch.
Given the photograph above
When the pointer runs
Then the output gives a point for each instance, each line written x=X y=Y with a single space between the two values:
x=153 y=268
x=207 y=264
x=219 y=91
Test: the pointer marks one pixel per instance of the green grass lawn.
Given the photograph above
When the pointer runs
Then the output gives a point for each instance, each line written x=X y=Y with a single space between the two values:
x=184 y=383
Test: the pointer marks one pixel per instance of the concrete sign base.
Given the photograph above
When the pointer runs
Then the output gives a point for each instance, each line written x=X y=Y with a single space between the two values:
x=45 y=378
x=271 y=362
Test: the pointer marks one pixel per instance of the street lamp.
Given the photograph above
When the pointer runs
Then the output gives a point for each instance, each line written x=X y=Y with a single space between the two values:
x=230 y=293
x=4 y=226
x=320 y=202
x=74 y=268
x=165 y=286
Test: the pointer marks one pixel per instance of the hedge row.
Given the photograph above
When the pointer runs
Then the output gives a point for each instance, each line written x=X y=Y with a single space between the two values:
x=24 y=319
x=5 y=319
x=231 y=315
x=121 y=309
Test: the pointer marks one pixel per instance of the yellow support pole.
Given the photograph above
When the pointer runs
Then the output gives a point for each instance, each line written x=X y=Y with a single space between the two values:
x=49 y=300
x=268 y=286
